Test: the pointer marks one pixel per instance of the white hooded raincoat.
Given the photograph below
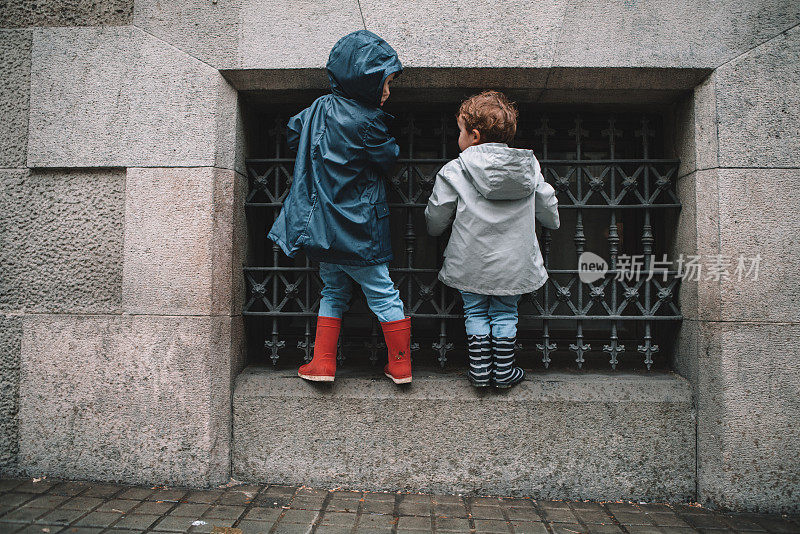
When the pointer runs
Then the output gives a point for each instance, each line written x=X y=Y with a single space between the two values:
x=491 y=194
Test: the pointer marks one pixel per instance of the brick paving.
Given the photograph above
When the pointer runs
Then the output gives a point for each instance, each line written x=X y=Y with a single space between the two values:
x=53 y=506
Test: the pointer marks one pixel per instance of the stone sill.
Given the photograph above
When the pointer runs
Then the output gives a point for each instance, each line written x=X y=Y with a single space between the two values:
x=557 y=435
x=539 y=386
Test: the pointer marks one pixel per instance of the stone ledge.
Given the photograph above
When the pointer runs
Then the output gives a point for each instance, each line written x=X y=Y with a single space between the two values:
x=429 y=384
x=558 y=435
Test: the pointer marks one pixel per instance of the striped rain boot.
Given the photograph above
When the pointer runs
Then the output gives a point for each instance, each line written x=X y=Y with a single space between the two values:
x=505 y=374
x=480 y=360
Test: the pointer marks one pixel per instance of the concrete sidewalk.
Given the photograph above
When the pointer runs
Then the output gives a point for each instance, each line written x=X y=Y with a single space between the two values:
x=54 y=506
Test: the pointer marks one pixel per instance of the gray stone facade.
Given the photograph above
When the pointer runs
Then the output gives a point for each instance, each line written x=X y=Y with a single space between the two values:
x=133 y=397
x=122 y=233
x=601 y=436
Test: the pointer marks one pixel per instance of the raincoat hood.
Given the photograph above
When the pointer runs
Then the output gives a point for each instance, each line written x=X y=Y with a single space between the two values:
x=499 y=172
x=359 y=64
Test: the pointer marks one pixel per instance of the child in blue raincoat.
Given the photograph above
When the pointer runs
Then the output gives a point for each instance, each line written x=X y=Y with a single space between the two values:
x=336 y=210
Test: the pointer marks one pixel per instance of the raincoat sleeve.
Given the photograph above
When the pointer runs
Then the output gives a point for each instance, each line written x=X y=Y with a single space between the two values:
x=546 y=205
x=294 y=128
x=441 y=208
x=381 y=148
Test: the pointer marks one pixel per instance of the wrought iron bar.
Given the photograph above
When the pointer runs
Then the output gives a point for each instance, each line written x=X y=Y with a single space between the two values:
x=614 y=348
x=648 y=348
x=579 y=347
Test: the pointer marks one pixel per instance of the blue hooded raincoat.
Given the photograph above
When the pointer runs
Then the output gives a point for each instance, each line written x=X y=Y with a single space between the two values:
x=336 y=209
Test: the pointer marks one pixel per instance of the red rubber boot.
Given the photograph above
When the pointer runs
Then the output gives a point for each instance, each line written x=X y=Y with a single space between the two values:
x=398 y=340
x=322 y=367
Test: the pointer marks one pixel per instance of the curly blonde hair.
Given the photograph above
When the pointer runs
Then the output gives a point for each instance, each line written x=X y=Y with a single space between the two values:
x=492 y=114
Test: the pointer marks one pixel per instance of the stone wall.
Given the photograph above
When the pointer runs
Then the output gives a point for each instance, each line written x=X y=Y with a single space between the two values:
x=264 y=34
x=739 y=341
x=143 y=399
x=558 y=435
x=10 y=335
x=61 y=235
x=15 y=62
x=122 y=229
x=121 y=187
x=26 y=14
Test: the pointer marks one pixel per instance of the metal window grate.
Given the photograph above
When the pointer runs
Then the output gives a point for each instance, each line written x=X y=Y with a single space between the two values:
x=616 y=197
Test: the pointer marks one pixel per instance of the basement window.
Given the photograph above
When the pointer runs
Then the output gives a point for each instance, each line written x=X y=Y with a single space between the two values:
x=617 y=199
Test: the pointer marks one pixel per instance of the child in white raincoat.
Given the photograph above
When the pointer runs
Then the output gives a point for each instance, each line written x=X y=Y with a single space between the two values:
x=491 y=194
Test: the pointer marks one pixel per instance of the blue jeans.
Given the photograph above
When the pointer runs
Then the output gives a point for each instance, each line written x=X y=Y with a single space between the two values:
x=490 y=314
x=382 y=297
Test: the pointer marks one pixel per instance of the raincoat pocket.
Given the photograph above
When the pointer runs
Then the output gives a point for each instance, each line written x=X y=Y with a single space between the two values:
x=381 y=210
x=382 y=239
